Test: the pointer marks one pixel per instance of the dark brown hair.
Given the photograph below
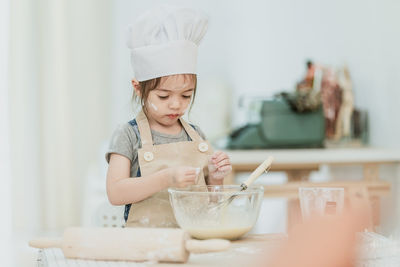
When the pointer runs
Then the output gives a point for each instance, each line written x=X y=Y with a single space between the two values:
x=146 y=86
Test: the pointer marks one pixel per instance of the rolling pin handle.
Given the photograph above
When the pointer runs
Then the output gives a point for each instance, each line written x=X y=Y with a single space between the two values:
x=46 y=243
x=205 y=246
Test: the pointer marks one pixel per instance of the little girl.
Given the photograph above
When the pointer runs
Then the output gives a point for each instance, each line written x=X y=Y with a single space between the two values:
x=158 y=149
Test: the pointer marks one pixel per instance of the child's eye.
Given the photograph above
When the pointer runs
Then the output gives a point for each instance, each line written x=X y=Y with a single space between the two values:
x=187 y=96
x=163 y=96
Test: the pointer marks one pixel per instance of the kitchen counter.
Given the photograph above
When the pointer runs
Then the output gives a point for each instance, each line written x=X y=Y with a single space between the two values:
x=296 y=161
x=299 y=163
x=285 y=157
x=244 y=252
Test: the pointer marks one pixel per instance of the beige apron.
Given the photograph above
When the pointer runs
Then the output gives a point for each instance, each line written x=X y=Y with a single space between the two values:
x=156 y=211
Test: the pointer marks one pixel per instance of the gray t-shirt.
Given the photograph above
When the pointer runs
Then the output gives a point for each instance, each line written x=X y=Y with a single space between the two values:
x=126 y=141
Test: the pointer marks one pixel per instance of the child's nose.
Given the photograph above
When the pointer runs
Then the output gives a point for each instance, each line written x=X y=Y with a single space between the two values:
x=175 y=104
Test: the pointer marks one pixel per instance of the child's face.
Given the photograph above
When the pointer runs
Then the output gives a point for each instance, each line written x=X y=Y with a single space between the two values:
x=170 y=99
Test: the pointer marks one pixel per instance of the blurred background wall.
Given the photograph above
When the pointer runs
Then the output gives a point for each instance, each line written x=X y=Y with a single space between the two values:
x=59 y=64
x=69 y=81
x=5 y=170
x=258 y=48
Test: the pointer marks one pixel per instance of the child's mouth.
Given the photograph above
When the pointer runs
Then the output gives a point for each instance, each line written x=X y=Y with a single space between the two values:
x=172 y=116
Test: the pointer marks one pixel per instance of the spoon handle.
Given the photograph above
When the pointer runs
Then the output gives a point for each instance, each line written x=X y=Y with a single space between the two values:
x=257 y=172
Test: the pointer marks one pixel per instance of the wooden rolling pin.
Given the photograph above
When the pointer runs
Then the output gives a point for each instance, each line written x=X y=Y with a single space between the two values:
x=130 y=244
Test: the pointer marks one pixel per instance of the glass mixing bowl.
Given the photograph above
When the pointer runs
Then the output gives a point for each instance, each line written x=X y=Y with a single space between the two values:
x=205 y=211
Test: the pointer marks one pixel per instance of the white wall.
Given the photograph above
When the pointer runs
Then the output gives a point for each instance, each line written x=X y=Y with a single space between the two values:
x=257 y=48
x=23 y=113
x=59 y=87
x=5 y=169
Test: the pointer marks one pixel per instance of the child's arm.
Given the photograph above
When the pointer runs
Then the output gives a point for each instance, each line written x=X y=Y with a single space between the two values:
x=121 y=189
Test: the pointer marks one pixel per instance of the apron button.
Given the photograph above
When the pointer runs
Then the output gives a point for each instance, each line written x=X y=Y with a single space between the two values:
x=203 y=147
x=148 y=156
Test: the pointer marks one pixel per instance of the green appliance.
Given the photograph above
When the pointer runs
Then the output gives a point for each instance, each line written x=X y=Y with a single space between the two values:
x=281 y=127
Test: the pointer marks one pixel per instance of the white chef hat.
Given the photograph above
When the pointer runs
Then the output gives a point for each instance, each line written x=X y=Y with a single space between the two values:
x=164 y=40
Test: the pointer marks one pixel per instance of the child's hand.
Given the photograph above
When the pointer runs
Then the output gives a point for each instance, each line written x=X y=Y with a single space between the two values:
x=183 y=176
x=219 y=165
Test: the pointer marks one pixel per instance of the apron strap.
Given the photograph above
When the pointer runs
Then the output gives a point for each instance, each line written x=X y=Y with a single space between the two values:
x=191 y=131
x=144 y=130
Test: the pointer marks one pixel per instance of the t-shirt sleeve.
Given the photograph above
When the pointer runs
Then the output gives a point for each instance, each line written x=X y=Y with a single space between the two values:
x=124 y=141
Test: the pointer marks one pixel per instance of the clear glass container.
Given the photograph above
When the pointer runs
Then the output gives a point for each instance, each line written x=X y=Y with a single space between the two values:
x=320 y=201
x=206 y=211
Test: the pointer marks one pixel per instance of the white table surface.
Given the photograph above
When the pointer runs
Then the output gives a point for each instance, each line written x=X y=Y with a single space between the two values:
x=244 y=252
